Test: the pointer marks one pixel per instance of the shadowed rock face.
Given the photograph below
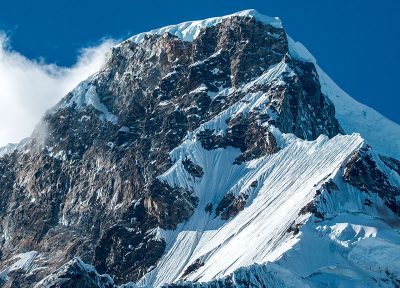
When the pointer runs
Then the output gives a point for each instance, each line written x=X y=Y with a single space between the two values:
x=192 y=169
x=245 y=133
x=85 y=186
x=363 y=173
x=230 y=206
x=120 y=248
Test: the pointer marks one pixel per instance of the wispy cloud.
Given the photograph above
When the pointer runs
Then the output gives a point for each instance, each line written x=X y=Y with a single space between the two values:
x=29 y=87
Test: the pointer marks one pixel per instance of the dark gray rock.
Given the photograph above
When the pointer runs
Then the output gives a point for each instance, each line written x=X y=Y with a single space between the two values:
x=230 y=206
x=362 y=172
x=392 y=163
x=192 y=169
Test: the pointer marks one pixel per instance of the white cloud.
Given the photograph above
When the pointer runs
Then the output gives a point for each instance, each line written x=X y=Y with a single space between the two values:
x=29 y=87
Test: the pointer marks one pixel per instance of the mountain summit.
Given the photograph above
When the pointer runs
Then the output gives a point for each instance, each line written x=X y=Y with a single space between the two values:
x=211 y=153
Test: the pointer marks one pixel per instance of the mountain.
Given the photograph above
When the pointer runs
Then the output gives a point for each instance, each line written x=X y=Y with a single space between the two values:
x=211 y=153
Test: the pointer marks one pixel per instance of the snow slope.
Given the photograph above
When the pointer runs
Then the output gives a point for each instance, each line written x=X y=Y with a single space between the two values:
x=287 y=181
x=355 y=245
x=380 y=132
x=23 y=261
x=360 y=244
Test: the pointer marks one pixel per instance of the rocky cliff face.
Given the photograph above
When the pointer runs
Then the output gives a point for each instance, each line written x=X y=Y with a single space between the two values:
x=89 y=182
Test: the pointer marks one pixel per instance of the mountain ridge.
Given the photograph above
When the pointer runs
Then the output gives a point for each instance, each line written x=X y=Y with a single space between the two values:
x=192 y=141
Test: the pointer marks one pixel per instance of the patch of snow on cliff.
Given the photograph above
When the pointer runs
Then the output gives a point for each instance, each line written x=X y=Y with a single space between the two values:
x=84 y=95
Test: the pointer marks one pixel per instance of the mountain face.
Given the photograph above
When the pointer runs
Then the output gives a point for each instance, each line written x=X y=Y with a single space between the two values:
x=212 y=153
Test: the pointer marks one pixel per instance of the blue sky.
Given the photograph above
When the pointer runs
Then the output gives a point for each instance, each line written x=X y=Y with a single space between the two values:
x=356 y=42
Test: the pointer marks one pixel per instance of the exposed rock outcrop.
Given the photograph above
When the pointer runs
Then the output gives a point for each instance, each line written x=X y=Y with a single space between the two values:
x=230 y=205
x=362 y=172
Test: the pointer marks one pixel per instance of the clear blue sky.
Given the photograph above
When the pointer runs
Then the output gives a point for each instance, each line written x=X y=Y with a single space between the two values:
x=356 y=42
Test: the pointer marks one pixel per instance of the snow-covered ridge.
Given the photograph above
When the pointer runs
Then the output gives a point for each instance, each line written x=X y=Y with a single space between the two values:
x=378 y=131
x=188 y=31
x=10 y=148
x=361 y=247
x=286 y=182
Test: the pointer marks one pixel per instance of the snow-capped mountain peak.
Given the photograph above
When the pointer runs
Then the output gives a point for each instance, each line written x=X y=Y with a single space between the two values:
x=212 y=153
x=188 y=31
